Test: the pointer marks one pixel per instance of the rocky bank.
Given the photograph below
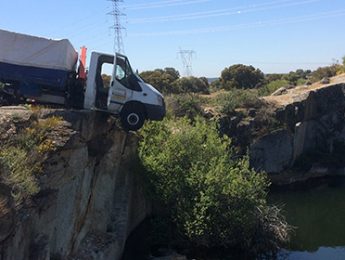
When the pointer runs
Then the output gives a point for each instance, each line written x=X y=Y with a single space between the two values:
x=89 y=199
x=309 y=139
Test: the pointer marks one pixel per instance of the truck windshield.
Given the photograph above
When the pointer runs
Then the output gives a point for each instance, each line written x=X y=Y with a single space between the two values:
x=125 y=75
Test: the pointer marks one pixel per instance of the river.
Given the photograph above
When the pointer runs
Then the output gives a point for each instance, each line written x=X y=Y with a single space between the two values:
x=318 y=215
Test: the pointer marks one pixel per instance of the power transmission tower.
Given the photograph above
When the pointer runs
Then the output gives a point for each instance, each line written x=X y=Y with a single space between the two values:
x=117 y=27
x=187 y=60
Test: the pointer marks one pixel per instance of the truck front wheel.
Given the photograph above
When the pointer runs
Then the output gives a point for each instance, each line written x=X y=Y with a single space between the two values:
x=132 y=118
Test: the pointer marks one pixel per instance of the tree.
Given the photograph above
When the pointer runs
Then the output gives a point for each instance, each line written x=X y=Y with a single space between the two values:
x=241 y=76
x=296 y=76
x=191 y=85
x=324 y=72
x=161 y=79
x=173 y=73
x=273 y=77
x=213 y=199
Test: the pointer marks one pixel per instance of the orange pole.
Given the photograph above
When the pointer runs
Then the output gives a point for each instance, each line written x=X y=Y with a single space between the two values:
x=82 y=63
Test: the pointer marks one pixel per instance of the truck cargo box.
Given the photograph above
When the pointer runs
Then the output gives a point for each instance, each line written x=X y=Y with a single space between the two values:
x=26 y=50
x=34 y=63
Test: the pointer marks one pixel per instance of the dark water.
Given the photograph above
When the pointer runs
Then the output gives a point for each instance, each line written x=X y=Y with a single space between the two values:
x=318 y=214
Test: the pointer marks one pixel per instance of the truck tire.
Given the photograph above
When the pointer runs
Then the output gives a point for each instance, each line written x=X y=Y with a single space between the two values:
x=132 y=117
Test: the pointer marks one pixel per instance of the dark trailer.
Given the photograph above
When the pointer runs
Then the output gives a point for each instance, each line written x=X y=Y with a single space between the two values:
x=36 y=68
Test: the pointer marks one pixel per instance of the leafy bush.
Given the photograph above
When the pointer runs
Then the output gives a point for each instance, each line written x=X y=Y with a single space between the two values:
x=238 y=98
x=272 y=86
x=184 y=105
x=213 y=199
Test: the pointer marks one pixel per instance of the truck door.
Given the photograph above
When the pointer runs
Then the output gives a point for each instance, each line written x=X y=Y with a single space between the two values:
x=122 y=85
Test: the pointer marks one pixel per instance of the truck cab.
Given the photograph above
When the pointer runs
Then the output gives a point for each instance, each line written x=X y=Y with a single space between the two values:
x=126 y=94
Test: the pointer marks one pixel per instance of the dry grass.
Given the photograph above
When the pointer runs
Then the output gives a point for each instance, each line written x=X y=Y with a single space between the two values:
x=289 y=97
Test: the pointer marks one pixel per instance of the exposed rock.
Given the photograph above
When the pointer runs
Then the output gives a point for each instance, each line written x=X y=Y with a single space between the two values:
x=290 y=86
x=308 y=83
x=272 y=153
x=90 y=198
x=312 y=132
x=325 y=80
x=315 y=121
x=279 y=91
x=209 y=113
x=7 y=213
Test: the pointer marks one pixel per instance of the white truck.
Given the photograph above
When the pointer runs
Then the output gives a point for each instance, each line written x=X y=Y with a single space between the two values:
x=35 y=69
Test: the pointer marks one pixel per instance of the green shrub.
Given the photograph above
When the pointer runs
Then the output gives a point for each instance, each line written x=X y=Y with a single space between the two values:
x=238 y=98
x=183 y=105
x=214 y=200
x=272 y=86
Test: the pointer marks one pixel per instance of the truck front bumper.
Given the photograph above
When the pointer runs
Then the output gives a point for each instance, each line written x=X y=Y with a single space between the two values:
x=155 y=112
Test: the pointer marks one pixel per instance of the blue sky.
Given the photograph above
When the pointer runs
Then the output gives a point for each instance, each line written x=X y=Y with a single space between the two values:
x=273 y=35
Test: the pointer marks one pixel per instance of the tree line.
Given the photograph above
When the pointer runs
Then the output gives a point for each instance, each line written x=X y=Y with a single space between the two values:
x=238 y=76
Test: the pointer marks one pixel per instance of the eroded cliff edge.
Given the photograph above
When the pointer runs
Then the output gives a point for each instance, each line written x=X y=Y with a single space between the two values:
x=89 y=197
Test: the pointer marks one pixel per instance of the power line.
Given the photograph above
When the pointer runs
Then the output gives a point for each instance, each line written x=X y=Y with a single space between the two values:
x=117 y=27
x=258 y=24
x=162 y=4
x=223 y=12
x=187 y=60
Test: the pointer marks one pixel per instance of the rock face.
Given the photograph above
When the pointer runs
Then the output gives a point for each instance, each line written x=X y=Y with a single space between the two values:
x=314 y=129
x=90 y=197
x=273 y=152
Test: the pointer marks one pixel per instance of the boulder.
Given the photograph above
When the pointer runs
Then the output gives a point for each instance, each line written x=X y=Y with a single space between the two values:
x=279 y=91
x=325 y=80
